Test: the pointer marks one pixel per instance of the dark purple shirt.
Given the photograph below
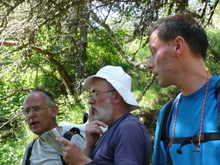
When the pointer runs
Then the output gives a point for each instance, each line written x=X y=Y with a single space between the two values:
x=126 y=142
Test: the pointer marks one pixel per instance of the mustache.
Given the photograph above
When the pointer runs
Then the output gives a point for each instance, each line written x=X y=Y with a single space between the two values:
x=33 y=120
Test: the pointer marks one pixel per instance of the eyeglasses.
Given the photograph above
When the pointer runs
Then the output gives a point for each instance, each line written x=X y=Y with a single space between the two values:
x=94 y=94
x=35 y=109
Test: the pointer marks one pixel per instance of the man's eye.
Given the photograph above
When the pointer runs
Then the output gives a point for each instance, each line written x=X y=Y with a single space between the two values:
x=27 y=110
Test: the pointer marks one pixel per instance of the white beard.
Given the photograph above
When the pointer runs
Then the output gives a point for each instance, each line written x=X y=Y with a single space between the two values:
x=104 y=113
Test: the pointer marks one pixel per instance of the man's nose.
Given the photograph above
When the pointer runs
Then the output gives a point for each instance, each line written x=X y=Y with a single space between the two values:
x=150 y=64
x=31 y=114
x=91 y=100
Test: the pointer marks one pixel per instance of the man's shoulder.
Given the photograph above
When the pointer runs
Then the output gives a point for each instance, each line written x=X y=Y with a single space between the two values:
x=31 y=143
x=215 y=78
x=131 y=122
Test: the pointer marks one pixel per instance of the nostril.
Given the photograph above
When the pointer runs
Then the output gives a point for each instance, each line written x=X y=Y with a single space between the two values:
x=91 y=100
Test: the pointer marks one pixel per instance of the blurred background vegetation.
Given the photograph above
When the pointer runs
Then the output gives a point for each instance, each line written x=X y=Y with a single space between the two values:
x=56 y=44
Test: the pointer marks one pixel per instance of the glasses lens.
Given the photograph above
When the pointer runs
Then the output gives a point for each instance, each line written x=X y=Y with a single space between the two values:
x=92 y=95
x=26 y=111
x=36 y=109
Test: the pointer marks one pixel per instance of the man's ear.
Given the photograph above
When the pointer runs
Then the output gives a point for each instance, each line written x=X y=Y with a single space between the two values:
x=54 y=110
x=117 y=97
x=179 y=43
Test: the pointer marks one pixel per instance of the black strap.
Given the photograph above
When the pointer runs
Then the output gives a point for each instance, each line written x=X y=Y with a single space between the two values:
x=217 y=94
x=68 y=135
x=162 y=129
x=63 y=162
x=27 y=161
x=195 y=139
x=205 y=136
x=162 y=135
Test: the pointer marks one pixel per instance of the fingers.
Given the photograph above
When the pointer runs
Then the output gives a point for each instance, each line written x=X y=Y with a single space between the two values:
x=72 y=154
x=96 y=122
x=67 y=145
x=92 y=128
x=90 y=115
x=62 y=140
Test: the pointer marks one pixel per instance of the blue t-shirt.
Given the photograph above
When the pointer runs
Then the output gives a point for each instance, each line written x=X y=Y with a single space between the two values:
x=126 y=142
x=188 y=124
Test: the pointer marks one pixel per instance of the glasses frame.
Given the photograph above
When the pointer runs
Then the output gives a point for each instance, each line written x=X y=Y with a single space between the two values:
x=35 y=109
x=94 y=94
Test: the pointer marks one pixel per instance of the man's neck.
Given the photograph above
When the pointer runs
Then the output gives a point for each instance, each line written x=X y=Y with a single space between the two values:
x=194 y=83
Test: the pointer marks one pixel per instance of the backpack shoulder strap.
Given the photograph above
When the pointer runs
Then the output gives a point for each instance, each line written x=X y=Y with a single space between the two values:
x=162 y=135
x=205 y=136
x=166 y=119
x=63 y=162
x=27 y=161
x=217 y=94
x=68 y=135
x=162 y=128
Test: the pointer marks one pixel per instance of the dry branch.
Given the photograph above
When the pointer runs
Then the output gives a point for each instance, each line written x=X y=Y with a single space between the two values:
x=28 y=89
x=62 y=71
x=10 y=120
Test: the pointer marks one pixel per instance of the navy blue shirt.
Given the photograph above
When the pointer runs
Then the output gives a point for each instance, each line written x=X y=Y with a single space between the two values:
x=126 y=142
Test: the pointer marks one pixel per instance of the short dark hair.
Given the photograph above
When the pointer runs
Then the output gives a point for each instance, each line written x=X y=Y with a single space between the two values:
x=185 y=26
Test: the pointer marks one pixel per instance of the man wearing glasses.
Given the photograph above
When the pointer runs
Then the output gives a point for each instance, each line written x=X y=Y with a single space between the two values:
x=40 y=112
x=126 y=141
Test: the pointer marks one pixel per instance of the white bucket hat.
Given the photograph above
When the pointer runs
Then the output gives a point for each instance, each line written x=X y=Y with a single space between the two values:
x=120 y=80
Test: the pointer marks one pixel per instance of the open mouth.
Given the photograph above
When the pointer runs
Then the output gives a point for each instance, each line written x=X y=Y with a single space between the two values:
x=34 y=123
x=155 y=74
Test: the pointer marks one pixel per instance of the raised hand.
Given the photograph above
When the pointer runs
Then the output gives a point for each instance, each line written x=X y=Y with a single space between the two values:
x=93 y=132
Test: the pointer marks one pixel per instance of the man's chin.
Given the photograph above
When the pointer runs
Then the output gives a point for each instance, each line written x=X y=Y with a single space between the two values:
x=36 y=131
x=96 y=117
x=163 y=85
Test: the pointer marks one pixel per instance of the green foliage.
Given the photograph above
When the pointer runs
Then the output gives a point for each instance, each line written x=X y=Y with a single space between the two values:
x=212 y=61
x=102 y=52
x=12 y=139
x=70 y=110
x=58 y=36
